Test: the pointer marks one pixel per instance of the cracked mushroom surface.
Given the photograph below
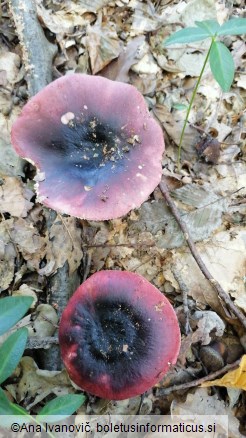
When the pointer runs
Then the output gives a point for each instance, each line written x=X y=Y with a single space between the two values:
x=118 y=335
x=97 y=149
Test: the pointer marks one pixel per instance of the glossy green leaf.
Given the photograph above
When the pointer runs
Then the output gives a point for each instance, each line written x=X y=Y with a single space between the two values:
x=235 y=26
x=211 y=26
x=222 y=65
x=61 y=406
x=12 y=309
x=11 y=352
x=188 y=35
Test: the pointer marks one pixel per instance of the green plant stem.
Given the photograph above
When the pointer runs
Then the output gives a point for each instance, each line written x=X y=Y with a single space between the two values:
x=191 y=103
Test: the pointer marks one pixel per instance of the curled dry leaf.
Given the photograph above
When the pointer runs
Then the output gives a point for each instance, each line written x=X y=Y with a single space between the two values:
x=14 y=197
x=209 y=324
x=10 y=68
x=118 y=69
x=45 y=321
x=233 y=379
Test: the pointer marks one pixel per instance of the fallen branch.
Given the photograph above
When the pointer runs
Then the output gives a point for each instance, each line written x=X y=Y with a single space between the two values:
x=34 y=342
x=222 y=294
x=37 y=51
x=38 y=54
x=198 y=382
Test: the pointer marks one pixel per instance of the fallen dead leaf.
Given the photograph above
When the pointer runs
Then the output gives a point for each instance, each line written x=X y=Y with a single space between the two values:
x=200 y=403
x=36 y=384
x=63 y=244
x=103 y=45
x=224 y=256
x=14 y=197
x=30 y=244
x=119 y=68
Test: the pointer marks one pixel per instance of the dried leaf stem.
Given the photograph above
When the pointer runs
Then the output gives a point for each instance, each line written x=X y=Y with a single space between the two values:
x=222 y=294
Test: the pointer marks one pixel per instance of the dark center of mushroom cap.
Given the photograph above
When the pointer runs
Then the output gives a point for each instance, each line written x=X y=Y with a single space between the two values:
x=92 y=148
x=112 y=339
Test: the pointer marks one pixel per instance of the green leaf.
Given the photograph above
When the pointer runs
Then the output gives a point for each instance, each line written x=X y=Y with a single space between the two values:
x=62 y=406
x=235 y=26
x=8 y=408
x=11 y=352
x=179 y=106
x=11 y=311
x=188 y=35
x=222 y=65
x=211 y=26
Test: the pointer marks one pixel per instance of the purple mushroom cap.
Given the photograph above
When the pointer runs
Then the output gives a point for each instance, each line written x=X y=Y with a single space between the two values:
x=119 y=335
x=97 y=149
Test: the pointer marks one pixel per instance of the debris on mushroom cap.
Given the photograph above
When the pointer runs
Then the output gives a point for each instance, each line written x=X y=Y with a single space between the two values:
x=118 y=335
x=95 y=141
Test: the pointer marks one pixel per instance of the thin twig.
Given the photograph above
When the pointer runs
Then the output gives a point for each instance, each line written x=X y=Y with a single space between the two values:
x=197 y=382
x=222 y=294
x=184 y=291
x=114 y=245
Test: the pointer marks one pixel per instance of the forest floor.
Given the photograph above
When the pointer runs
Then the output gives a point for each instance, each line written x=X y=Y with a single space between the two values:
x=123 y=40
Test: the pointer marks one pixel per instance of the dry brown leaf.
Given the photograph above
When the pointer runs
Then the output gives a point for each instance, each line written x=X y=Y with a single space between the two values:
x=10 y=68
x=173 y=124
x=200 y=403
x=70 y=15
x=14 y=197
x=209 y=325
x=37 y=384
x=232 y=379
x=103 y=45
x=119 y=68
x=31 y=245
x=45 y=321
x=63 y=244
x=224 y=256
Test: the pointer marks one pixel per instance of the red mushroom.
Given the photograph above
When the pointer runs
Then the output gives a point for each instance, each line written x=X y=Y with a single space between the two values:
x=96 y=147
x=118 y=335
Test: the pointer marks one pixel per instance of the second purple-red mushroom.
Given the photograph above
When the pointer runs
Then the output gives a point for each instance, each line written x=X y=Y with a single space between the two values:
x=118 y=335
